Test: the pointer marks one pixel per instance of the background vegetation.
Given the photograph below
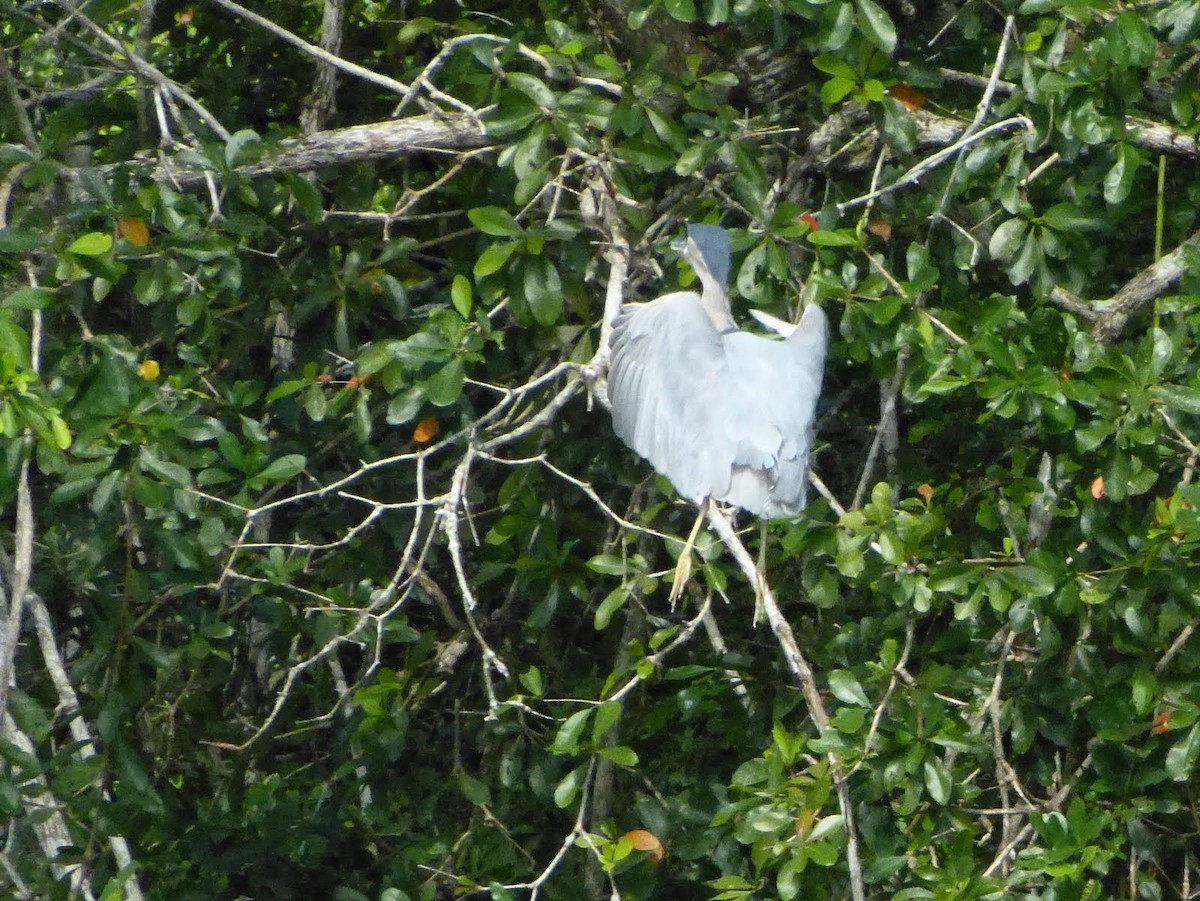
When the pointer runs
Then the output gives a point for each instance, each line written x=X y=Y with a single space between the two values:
x=324 y=575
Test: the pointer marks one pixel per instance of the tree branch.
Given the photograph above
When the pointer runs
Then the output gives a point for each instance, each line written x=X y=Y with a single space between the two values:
x=376 y=141
x=803 y=673
x=1142 y=289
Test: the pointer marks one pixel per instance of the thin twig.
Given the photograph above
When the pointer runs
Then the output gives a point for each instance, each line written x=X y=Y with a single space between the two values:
x=921 y=169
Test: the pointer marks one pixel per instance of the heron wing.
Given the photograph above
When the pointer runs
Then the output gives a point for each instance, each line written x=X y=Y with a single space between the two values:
x=770 y=407
x=665 y=382
x=722 y=414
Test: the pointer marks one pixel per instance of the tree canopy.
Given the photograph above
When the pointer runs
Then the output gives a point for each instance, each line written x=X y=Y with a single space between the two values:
x=324 y=574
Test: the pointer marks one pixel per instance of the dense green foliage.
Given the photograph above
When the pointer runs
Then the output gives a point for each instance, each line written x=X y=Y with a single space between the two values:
x=359 y=594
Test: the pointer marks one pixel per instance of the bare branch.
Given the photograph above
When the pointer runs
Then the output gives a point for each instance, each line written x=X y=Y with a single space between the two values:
x=152 y=74
x=927 y=165
x=322 y=100
x=375 y=141
x=1141 y=290
x=803 y=673
x=316 y=52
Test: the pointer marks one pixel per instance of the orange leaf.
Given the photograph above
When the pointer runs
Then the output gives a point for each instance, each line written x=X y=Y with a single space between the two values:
x=1162 y=722
x=908 y=95
x=1098 y=487
x=926 y=491
x=811 y=220
x=354 y=381
x=426 y=429
x=134 y=231
x=880 y=228
x=644 y=840
x=324 y=378
x=185 y=16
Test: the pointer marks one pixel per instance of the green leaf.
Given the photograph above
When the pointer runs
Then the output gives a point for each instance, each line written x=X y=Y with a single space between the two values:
x=769 y=818
x=492 y=220
x=568 y=788
x=533 y=88
x=876 y=25
x=831 y=238
x=847 y=689
x=1068 y=217
x=1027 y=260
x=494 y=257
x=105 y=491
x=283 y=468
x=405 y=406
x=19 y=240
x=836 y=90
x=532 y=680
x=1181 y=758
x=69 y=491
x=543 y=290
x=899 y=126
x=683 y=10
x=513 y=113
x=607 y=715
x=307 y=197
x=566 y=740
x=28 y=299
x=460 y=295
x=620 y=755
x=1007 y=238
x=92 y=244
x=1035 y=582
x=938 y=780
x=62 y=434
x=835 y=66
x=171 y=473
x=647 y=155
x=1180 y=397
x=471 y=788
x=1055 y=83
x=28 y=713
x=135 y=781
x=237 y=146
x=445 y=386
x=694 y=158
x=1143 y=685
x=1119 y=180
x=316 y=404
x=614 y=601
x=608 y=564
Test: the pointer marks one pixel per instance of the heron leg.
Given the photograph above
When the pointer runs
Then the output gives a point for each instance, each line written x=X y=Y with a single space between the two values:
x=683 y=566
x=760 y=573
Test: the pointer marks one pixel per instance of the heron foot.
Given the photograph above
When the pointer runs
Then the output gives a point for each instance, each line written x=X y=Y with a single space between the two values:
x=683 y=566
x=760 y=591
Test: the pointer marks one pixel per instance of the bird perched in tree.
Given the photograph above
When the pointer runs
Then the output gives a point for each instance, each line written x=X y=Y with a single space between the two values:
x=721 y=412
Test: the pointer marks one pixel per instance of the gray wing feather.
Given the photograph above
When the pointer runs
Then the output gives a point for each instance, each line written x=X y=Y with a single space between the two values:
x=664 y=385
x=771 y=405
x=728 y=415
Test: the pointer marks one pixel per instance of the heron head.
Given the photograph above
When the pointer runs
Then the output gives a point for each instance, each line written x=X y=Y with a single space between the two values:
x=707 y=249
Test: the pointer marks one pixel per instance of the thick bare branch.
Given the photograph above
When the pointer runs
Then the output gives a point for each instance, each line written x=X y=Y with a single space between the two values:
x=1149 y=284
x=376 y=141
